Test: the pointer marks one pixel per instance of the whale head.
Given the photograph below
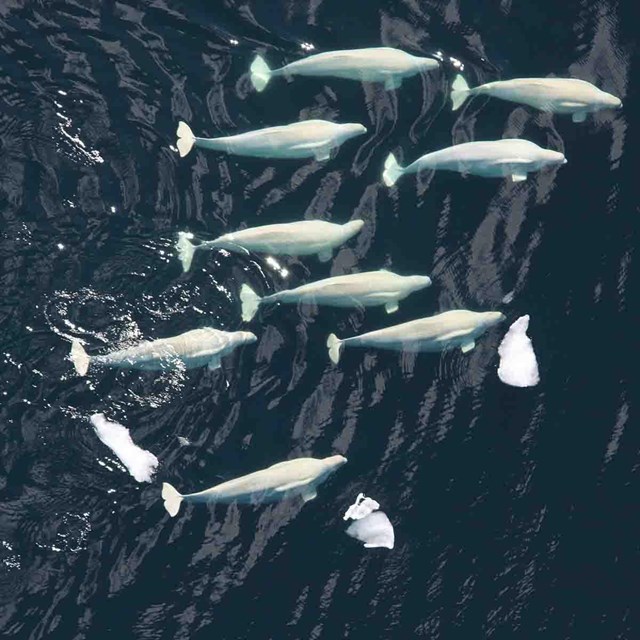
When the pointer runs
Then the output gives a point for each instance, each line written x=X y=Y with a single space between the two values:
x=553 y=157
x=418 y=282
x=491 y=318
x=332 y=463
x=608 y=101
x=246 y=337
x=351 y=130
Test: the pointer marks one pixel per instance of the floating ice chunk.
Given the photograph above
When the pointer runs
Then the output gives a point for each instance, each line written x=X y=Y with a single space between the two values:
x=362 y=507
x=140 y=463
x=518 y=364
x=183 y=441
x=373 y=530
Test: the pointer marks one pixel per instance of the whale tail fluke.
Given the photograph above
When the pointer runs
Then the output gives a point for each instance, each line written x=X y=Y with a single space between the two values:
x=185 y=250
x=172 y=499
x=250 y=302
x=186 y=139
x=80 y=358
x=334 y=344
x=459 y=92
x=260 y=73
x=392 y=170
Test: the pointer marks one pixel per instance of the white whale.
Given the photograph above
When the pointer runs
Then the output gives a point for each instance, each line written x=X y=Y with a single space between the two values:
x=443 y=331
x=303 y=238
x=493 y=159
x=555 y=95
x=368 y=289
x=306 y=139
x=195 y=348
x=299 y=477
x=378 y=64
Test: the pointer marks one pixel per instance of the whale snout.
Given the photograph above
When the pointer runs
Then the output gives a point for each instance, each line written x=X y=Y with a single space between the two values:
x=495 y=317
x=354 y=129
x=336 y=461
x=420 y=282
x=248 y=337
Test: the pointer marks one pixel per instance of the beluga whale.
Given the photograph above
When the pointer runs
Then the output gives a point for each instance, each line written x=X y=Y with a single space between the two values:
x=298 y=477
x=555 y=95
x=448 y=330
x=307 y=139
x=196 y=348
x=302 y=238
x=368 y=289
x=386 y=65
x=492 y=159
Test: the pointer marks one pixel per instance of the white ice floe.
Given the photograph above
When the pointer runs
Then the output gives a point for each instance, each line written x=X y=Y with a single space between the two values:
x=370 y=526
x=518 y=364
x=373 y=531
x=140 y=463
x=362 y=507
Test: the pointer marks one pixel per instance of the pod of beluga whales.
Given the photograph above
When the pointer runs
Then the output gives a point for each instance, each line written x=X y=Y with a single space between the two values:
x=319 y=139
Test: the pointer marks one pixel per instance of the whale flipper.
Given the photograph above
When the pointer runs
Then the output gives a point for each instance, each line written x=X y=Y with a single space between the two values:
x=393 y=82
x=467 y=346
x=325 y=255
x=579 y=116
x=309 y=494
x=391 y=307
x=519 y=176
x=323 y=153
x=214 y=363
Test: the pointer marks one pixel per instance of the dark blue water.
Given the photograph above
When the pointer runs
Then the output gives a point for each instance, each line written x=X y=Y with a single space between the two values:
x=515 y=511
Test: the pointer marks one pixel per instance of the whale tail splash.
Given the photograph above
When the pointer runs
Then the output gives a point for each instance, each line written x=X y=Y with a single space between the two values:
x=250 y=302
x=186 y=139
x=185 y=249
x=334 y=344
x=260 y=73
x=80 y=358
x=172 y=499
x=459 y=92
x=392 y=170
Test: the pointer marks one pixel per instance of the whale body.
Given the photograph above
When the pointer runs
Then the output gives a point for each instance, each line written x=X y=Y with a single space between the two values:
x=299 y=477
x=446 y=330
x=377 y=64
x=306 y=139
x=555 y=95
x=195 y=348
x=368 y=289
x=491 y=159
x=303 y=238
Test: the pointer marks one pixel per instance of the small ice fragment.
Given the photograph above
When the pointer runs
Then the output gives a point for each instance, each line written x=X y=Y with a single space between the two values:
x=518 y=364
x=140 y=463
x=508 y=298
x=183 y=441
x=373 y=531
x=113 y=209
x=362 y=507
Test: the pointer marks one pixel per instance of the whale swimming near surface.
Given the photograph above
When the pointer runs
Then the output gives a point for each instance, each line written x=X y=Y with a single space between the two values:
x=377 y=64
x=555 y=95
x=368 y=289
x=307 y=139
x=446 y=330
x=195 y=348
x=492 y=159
x=303 y=238
x=299 y=477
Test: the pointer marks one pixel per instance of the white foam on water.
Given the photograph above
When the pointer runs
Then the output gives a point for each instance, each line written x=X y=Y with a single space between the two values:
x=140 y=462
x=518 y=364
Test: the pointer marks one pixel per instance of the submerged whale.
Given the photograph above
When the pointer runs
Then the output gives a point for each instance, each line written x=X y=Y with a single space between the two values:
x=299 y=477
x=377 y=64
x=446 y=330
x=306 y=139
x=368 y=289
x=195 y=348
x=492 y=159
x=303 y=238
x=556 y=95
